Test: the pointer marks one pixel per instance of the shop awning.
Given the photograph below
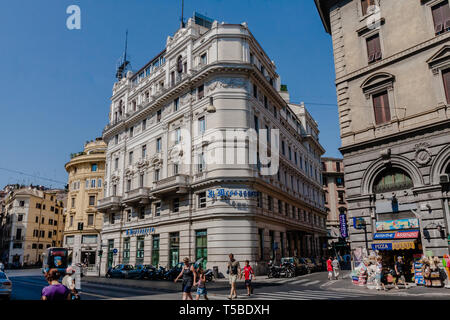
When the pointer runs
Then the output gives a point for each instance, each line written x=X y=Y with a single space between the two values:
x=394 y=245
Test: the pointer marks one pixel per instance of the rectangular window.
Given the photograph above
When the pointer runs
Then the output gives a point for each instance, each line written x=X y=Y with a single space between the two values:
x=202 y=200
x=158 y=145
x=89 y=239
x=144 y=151
x=201 y=246
x=203 y=59
x=156 y=174
x=374 y=48
x=176 y=205
x=92 y=200
x=256 y=123
x=158 y=115
x=141 y=180
x=144 y=124
x=280 y=207
x=174 y=247
x=155 y=250
x=270 y=203
x=116 y=139
x=20 y=217
x=158 y=209
x=90 y=219
x=99 y=183
x=201 y=125
x=200 y=91
x=130 y=158
x=131 y=132
x=175 y=169
x=71 y=221
x=381 y=107
x=177 y=135
x=93 y=183
x=176 y=104
x=365 y=4
x=140 y=242
x=126 y=251
x=116 y=163
x=338 y=166
x=441 y=17
x=446 y=79
x=261 y=243
x=128 y=185
x=255 y=91
x=94 y=167
x=341 y=197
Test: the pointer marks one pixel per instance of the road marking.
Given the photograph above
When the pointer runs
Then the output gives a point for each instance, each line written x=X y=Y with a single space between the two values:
x=100 y=296
x=311 y=283
x=299 y=281
x=329 y=283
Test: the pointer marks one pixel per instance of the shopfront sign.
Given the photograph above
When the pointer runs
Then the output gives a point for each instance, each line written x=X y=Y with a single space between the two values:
x=359 y=223
x=343 y=225
x=382 y=246
x=399 y=224
x=228 y=193
x=409 y=234
x=140 y=232
x=394 y=245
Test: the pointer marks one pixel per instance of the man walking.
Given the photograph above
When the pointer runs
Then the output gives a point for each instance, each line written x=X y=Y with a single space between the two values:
x=330 y=268
x=234 y=271
x=336 y=268
x=400 y=272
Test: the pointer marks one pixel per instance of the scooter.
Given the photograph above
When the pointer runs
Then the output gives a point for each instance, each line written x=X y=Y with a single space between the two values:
x=209 y=275
x=274 y=271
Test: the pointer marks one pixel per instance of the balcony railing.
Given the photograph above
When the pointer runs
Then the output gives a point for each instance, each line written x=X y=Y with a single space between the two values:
x=178 y=183
x=137 y=196
x=108 y=203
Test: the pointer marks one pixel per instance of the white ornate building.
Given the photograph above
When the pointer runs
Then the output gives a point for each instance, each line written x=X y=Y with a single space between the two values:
x=164 y=197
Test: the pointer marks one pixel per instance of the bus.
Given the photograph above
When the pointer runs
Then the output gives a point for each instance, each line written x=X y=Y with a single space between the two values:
x=55 y=258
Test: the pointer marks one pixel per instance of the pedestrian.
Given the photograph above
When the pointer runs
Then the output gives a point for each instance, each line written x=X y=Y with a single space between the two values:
x=234 y=271
x=400 y=272
x=201 y=284
x=379 y=273
x=189 y=278
x=330 y=268
x=249 y=275
x=69 y=282
x=55 y=290
x=336 y=267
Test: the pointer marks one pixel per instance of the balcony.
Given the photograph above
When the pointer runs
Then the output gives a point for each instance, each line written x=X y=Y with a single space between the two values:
x=108 y=203
x=176 y=184
x=137 y=196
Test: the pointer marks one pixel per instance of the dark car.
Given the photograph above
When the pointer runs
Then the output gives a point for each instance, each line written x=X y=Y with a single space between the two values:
x=140 y=271
x=300 y=266
x=172 y=273
x=119 y=271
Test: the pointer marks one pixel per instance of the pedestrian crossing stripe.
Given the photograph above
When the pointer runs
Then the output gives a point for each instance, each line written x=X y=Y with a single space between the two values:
x=310 y=283
x=294 y=295
x=299 y=281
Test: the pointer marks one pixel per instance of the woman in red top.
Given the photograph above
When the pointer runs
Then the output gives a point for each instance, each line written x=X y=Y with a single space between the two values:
x=249 y=275
x=330 y=268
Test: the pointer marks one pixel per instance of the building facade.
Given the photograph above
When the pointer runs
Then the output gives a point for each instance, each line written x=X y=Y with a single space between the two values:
x=86 y=171
x=33 y=222
x=182 y=177
x=335 y=204
x=392 y=66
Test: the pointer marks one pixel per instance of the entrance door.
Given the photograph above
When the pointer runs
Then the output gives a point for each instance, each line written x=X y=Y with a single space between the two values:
x=110 y=253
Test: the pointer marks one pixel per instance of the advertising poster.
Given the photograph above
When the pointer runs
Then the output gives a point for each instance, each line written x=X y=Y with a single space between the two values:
x=397 y=224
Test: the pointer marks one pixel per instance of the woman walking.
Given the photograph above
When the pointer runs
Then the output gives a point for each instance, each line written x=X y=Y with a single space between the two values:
x=55 y=290
x=330 y=268
x=189 y=278
x=379 y=274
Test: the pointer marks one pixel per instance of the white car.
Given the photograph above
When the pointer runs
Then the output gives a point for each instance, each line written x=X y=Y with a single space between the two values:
x=5 y=286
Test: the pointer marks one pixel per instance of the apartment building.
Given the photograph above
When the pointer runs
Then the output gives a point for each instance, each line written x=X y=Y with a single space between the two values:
x=33 y=222
x=335 y=204
x=86 y=171
x=183 y=176
x=392 y=66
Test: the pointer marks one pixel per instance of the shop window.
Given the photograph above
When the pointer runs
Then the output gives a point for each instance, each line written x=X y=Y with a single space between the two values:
x=201 y=246
x=391 y=180
x=174 y=247
x=140 y=250
x=126 y=251
x=155 y=250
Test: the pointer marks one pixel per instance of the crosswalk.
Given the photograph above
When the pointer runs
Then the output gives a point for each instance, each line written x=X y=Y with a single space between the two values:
x=295 y=295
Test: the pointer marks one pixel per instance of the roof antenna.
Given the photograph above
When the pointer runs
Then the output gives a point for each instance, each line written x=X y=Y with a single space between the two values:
x=123 y=63
x=182 y=14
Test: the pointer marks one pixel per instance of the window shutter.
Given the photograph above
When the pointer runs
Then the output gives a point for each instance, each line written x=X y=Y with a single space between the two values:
x=364 y=6
x=445 y=10
x=371 y=49
x=438 y=18
x=377 y=49
x=385 y=107
x=446 y=79
x=377 y=108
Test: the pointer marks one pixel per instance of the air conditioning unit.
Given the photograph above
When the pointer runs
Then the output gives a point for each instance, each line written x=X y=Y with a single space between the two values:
x=444 y=178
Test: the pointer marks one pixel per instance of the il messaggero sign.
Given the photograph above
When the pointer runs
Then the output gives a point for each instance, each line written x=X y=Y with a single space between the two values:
x=228 y=193
x=140 y=232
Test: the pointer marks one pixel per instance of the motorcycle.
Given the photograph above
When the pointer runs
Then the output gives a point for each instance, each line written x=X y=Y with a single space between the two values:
x=209 y=275
x=274 y=271
x=159 y=273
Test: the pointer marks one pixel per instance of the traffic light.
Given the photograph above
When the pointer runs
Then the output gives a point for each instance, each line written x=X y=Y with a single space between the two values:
x=80 y=226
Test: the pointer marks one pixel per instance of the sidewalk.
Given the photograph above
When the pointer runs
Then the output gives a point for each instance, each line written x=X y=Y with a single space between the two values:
x=346 y=285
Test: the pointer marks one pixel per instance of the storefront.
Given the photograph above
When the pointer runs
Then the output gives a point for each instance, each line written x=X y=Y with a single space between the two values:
x=402 y=240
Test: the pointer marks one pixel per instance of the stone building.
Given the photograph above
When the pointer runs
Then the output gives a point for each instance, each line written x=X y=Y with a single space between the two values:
x=33 y=222
x=86 y=171
x=183 y=177
x=335 y=203
x=392 y=61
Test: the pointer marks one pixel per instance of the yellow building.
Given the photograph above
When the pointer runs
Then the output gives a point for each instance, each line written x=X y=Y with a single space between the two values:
x=86 y=171
x=34 y=221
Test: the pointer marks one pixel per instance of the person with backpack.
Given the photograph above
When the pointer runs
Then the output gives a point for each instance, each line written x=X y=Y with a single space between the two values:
x=249 y=275
x=234 y=271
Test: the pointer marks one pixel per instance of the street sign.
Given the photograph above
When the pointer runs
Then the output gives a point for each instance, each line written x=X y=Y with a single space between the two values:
x=358 y=223
x=343 y=225
x=115 y=251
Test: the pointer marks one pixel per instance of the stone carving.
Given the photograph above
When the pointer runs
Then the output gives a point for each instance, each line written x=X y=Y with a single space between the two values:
x=423 y=154
x=227 y=83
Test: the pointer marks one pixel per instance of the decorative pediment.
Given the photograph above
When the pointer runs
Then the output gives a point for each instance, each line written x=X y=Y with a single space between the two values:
x=129 y=173
x=156 y=161
x=115 y=179
x=443 y=55
x=142 y=163
x=378 y=80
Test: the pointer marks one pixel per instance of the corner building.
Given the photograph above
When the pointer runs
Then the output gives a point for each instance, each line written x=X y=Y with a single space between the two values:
x=392 y=61
x=209 y=80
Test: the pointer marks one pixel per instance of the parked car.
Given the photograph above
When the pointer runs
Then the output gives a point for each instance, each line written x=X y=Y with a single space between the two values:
x=172 y=273
x=119 y=271
x=299 y=266
x=140 y=271
x=308 y=263
x=5 y=286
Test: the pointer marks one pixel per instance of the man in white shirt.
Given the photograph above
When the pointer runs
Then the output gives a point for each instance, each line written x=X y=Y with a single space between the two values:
x=336 y=267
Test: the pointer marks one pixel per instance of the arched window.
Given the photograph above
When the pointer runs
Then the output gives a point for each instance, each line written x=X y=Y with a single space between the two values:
x=391 y=180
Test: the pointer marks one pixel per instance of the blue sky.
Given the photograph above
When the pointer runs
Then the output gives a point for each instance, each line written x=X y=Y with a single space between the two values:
x=56 y=83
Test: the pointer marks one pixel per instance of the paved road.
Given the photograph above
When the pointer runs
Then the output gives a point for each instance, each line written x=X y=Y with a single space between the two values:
x=27 y=285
